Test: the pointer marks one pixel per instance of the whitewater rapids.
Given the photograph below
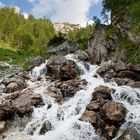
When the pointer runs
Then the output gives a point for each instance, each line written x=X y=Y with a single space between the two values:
x=67 y=125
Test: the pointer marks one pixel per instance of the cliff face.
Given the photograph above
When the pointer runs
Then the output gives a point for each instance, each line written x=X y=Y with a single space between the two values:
x=124 y=23
x=100 y=48
x=65 y=27
x=116 y=40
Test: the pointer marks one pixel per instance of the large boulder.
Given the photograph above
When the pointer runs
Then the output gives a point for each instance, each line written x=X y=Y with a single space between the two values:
x=56 y=60
x=129 y=74
x=60 y=68
x=113 y=111
x=120 y=65
x=68 y=70
x=36 y=62
x=6 y=110
x=25 y=102
x=101 y=92
x=106 y=70
x=13 y=83
x=89 y=116
x=105 y=115
x=82 y=55
x=19 y=103
x=64 y=48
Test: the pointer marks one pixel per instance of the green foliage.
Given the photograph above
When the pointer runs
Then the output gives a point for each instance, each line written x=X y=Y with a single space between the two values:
x=135 y=14
x=109 y=31
x=13 y=57
x=96 y=20
x=30 y=36
x=132 y=50
x=81 y=36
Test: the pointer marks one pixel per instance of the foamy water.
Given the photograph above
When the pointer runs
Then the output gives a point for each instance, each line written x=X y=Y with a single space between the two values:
x=63 y=120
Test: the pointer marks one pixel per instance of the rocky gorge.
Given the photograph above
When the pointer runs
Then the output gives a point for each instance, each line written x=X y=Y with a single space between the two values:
x=69 y=98
x=91 y=94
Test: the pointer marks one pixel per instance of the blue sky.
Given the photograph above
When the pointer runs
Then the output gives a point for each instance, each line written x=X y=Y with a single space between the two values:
x=73 y=11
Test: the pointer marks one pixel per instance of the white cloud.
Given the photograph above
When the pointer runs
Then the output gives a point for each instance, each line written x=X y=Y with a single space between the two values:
x=1 y=4
x=72 y=11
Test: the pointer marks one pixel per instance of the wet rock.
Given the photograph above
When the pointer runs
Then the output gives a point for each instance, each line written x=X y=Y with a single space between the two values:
x=101 y=92
x=2 y=125
x=2 y=87
x=57 y=98
x=120 y=65
x=86 y=65
x=6 y=110
x=12 y=87
x=122 y=81
x=24 y=103
x=53 y=65
x=94 y=105
x=46 y=126
x=13 y=83
x=89 y=116
x=105 y=69
x=36 y=62
x=56 y=60
x=134 y=84
x=110 y=131
x=60 y=68
x=68 y=70
x=82 y=55
x=130 y=134
x=113 y=111
x=129 y=74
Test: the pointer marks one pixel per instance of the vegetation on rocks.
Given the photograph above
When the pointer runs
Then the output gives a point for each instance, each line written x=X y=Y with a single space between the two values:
x=81 y=36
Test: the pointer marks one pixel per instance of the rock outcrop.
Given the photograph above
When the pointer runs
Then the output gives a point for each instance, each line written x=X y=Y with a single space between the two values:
x=121 y=73
x=61 y=68
x=99 y=47
x=64 y=48
x=105 y=115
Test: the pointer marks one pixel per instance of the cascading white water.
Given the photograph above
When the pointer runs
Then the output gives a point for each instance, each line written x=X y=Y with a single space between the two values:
x=63 y=120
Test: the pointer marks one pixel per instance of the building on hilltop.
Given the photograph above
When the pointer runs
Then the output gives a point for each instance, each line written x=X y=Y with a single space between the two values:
x=16 y=10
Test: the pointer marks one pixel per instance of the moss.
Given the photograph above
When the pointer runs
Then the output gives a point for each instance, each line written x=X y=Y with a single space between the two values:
x=110 y=30
x=132 y=50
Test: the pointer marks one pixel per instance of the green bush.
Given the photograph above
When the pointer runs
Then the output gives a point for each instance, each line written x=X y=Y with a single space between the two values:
x=81 y=36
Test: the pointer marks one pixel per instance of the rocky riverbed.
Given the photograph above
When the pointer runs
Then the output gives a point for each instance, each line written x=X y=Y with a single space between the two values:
x=66 y=98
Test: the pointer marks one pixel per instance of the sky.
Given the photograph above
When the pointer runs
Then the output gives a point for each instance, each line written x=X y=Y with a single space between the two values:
x=72 y=11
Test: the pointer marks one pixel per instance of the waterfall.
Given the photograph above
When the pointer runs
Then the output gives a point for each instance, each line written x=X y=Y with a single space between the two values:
x=62 y=120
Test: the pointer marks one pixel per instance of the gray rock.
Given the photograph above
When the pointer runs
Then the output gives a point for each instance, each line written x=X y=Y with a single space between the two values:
x=2 y=125
x=99 y=47
x=56 y=60
x=36 y=62
x=65 y=48
x=120 y=65
x=25 y=102
x=82 y=55
x=4 y=65
x=113 y=111
x=12 y=87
